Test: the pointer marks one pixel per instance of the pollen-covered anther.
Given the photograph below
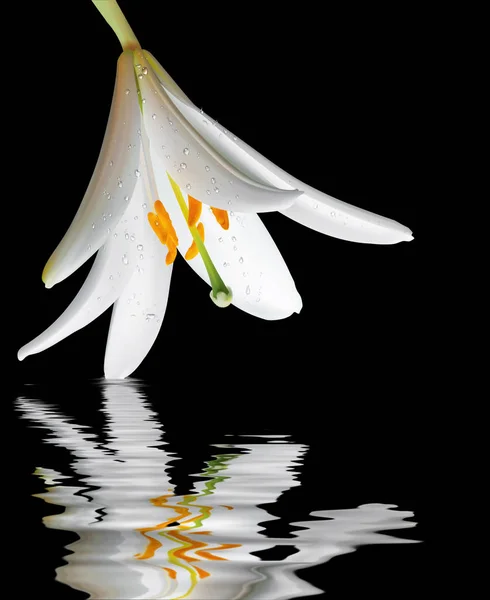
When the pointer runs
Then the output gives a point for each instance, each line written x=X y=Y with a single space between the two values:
x=221 y=216
x=165 y=231
x=195 y=210
x=193 y=250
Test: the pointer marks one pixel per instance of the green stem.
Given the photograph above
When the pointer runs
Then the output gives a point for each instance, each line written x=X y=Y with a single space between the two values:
x=114 y=16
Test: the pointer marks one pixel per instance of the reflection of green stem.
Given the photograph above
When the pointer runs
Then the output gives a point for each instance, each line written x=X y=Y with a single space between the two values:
x=114 y=16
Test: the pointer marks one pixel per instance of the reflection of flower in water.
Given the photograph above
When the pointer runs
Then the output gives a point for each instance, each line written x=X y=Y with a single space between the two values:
x=138 y=539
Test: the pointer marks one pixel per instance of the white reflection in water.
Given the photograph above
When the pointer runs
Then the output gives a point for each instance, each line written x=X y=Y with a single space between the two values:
x=140 y=540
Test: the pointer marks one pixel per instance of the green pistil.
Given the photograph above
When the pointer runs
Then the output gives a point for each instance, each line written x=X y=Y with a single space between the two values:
x=221 y=294
x=114 y=16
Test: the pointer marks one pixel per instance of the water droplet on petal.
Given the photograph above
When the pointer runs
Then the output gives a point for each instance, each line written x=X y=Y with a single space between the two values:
x=240 y=260
x=150 y=316
x=247 y=291
x=226 y=264
x=220 y=240
x=140 y=76
x=139 y=247
x=332 y=214
x=208 y=192
x=213 y=180
x=119 y=182
x=183 y=166
x=128 y=92
x=233 y=239
x=93 y=225
x=126 y=236
x=115 y=235
x=111 y=277
x=188 y=186
x=216 y=189
x=126 y=198
x=137 y=173
x=207 y=168
x=186 y=151
x=132 y=238
x=153 y=116
x=144 y=205
x=125 y=259
x=145 y=71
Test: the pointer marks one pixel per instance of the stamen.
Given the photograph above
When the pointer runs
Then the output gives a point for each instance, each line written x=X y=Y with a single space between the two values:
x=194 y=250
x=221 y=295
x=163 y=227
x=195 y=210
x=221 y=216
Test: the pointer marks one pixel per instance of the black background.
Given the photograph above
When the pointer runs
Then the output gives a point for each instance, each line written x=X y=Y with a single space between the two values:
x=331 y=95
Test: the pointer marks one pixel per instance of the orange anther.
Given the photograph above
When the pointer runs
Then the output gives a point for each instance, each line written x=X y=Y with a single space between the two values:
x=221 y=216
x=195 y=210
x=166 y=221
x=172 y=252
x=193 y=250
x=157 y=227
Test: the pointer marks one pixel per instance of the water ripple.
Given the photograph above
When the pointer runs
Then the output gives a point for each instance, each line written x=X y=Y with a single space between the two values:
x=139 y=539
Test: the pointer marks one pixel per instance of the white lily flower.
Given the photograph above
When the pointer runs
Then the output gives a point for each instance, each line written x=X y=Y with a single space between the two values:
x=161 y=160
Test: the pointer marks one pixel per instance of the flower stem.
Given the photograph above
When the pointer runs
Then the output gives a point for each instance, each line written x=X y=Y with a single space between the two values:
x=111 y=12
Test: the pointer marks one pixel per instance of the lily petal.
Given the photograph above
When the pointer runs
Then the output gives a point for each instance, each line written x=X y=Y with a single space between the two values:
x=195 y=165
x=245 y=255
x=112 y=183
x=314 y=209
x=138 y=314
x=110 y=273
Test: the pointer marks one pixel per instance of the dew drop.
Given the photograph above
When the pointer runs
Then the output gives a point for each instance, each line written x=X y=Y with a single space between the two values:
x=183 y=166
x=237 y=197
x=226 y=264
x=145 y=71
x=220 y=240
x=207 y=168
x=93 y=225
x=126 y=198
x=216 y=189
x=111 y=277
x=126 y=236
x=240 y=260
x=188 y=186
x=125 y=259
x=139 y=247
x=208 y=192
x=141 y=257
x=115 y=235
x=89 y=247
x=185 y=151
x=332 y=214
x=136 y=218
x=170 y=122
x=153 y=116
x=111 y=163
x=235 y=248
x=128 y=92
x=140 y=76
x=316 y=206
x=247 y=291
x=119 y=182
x=213 y=180
x=137 y=173
x=150 y=316
x=132 y=238
x=257 y=300
x=144 y=205
x=233 y=239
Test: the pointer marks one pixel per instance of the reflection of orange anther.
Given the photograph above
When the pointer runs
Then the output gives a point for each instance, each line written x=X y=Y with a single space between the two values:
x=201 y=572
x=195 y=210
x=209 y=556
x=193 y=250
x=221 y=216
x=171 y=572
